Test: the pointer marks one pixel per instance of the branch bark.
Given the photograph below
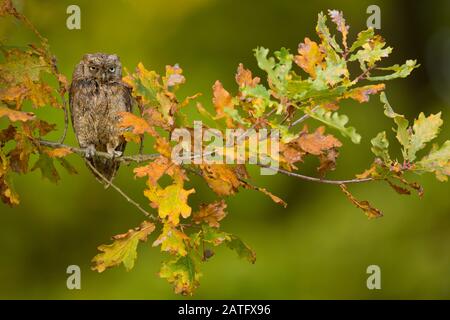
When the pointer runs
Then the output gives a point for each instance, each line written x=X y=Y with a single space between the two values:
x=146 y=157
x=127 y=159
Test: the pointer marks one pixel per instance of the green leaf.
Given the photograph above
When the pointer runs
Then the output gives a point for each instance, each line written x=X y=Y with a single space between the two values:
x=331 y=75
x=371 y=53
x=277 y=72
x=362 y=38
x=437 y=161
x=47 y=167
x=123 y=249
x=399 y=71
x=402 y=124
x=242 y=249
x=20 y=66
x=425 y=129
x=214 y=236
x=183 y=273
x=380 y=146
x=336 y=121
x=66 y=165
x=328 y=41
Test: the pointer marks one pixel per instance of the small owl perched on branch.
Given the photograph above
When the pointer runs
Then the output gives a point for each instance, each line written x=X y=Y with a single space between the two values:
x=97 y=95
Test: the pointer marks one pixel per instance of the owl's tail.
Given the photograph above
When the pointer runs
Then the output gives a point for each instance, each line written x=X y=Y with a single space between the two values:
x=106 y=167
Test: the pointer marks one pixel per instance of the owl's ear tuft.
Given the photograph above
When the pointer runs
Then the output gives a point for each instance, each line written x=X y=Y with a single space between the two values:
x=87 y=56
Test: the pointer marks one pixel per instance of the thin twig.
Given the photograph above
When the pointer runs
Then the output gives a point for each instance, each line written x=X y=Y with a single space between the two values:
x=303 y=118
x=135 y=158
x=123 y=194
x=314 y=179
x=364 y=74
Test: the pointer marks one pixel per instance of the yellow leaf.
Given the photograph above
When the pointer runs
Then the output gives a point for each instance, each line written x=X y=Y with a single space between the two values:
x=170 y=201
x=310 y=57
x=172 y=240
x=123 y=248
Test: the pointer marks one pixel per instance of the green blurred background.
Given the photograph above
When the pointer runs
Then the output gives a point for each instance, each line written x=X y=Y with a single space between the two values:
x=320 y=246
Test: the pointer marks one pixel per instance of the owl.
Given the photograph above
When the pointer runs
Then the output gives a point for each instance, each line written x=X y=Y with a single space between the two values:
x=96 y=97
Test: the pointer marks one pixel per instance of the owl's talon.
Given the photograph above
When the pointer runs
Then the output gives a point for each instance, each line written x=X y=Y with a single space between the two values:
x=90 y=151
x=117 y=153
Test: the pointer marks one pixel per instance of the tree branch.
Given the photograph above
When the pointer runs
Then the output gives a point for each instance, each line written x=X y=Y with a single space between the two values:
x=147 y=157
x=314 y=179
x=135 y=158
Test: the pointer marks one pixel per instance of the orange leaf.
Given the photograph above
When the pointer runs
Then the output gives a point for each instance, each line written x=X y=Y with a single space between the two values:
x=244 y=77
x=58 y=152
x=14 y=115
x=221 y=179
x=315 y=143
x=362 y=94
x=139 y=125
x=211 y=213
x=309 y=57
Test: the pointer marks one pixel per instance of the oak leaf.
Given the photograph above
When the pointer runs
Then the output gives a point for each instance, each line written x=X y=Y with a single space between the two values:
x=364 y=205
x=170 y=201
x=123 y=249
x=210 y=213
x=172 y=240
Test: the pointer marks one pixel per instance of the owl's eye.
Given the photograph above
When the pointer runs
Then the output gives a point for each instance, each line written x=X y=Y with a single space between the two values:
x=92 y=68
x=112 y=69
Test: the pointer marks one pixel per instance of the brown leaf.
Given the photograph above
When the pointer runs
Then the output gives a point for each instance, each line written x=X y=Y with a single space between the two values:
x=327 y=161
x=7 y=134
x=397 y=188
x=244 y=77
x=316 y=143
x=364 y=205
x=211 y=213
x=20 y=155
x=221 y=178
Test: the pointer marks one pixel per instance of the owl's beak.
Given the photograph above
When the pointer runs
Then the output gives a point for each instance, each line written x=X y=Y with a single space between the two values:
x=103 y=76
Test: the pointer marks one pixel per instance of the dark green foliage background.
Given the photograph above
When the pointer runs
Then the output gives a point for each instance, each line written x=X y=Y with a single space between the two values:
x=320 y=246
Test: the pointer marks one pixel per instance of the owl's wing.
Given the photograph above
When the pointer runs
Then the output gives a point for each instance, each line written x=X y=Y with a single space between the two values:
x=125 y=93
x=123 y=101
x=80 y=100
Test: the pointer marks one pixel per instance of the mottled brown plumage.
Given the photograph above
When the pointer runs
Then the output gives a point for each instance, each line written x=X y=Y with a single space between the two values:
x=97 y=94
